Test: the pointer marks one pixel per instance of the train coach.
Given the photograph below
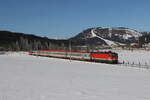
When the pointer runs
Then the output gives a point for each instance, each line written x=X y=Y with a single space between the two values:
x=104 y=57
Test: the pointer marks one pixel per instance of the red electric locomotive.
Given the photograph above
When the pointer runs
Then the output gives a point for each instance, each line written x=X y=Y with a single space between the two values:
x=104 y=57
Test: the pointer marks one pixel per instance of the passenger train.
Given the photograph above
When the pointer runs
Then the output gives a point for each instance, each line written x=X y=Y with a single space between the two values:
x=104 y=57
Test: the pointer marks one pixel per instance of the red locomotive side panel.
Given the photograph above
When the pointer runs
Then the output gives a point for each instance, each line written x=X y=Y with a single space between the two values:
x=103 y=56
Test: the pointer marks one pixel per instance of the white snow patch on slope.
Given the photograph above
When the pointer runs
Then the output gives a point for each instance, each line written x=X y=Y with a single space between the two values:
x=135 y=34
x=27 y=77
x=127 y=36
x=93 y=34
x=109 y=42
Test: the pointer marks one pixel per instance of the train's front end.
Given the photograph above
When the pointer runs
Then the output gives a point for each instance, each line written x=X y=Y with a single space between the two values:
x=114 y=57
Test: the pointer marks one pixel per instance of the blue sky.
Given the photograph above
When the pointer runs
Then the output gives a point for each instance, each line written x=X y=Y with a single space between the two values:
x=65 y=18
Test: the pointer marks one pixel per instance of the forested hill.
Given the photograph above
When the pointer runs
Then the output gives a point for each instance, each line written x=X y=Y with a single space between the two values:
x=24 y=42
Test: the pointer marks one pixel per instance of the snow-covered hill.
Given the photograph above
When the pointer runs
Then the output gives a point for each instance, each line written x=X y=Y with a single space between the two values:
x=109 y=36
x=24 y=77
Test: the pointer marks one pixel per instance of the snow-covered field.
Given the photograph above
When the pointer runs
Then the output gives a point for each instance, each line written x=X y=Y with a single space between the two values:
x=24 y=77
x=134 y=56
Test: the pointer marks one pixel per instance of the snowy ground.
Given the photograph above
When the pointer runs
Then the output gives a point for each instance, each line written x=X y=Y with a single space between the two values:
x=24 y=77
x=134 y=56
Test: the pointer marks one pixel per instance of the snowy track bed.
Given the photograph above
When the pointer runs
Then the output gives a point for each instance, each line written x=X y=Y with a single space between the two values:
x=24 y=77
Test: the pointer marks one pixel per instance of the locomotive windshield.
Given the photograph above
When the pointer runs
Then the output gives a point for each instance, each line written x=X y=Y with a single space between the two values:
x=114 y=54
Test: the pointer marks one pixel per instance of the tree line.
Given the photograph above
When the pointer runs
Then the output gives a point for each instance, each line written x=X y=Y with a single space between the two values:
x=10 y=41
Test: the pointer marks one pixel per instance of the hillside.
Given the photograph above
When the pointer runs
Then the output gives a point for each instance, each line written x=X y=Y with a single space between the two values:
x=21 y=41
x=108 y=36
